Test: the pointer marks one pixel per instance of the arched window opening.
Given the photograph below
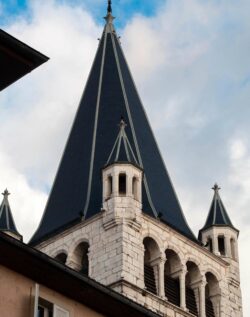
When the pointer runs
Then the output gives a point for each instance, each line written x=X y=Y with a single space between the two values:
x=80 y=257
x=171 y=277
x=61 y=257
x=221 y=245
x=151 y=254
x=210 y=244
x=109 y=187
x=212 y=293
x=122 y=184
x=192 y=293
x=135 y=184
x=233 y=251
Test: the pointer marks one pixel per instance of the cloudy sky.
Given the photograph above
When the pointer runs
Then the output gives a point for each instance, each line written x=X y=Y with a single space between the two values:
x=190 y=60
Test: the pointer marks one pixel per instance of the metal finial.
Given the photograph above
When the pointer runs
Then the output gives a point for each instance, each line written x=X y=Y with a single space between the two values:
x=122 y=123
x=216 y=188
x=109 y=9
x=6 y=193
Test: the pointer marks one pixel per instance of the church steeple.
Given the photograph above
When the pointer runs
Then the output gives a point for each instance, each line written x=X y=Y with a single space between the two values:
x=7 y=223
x=109 y=94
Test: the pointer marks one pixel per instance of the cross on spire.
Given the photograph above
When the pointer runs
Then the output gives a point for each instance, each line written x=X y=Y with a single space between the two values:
x=109 y=8
x=216 y=188
x=6 y=193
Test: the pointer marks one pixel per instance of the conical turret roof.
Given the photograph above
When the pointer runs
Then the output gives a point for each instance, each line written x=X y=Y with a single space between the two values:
x=217 y=215
x=6 y=219
x=122 y=151
x=110 y=94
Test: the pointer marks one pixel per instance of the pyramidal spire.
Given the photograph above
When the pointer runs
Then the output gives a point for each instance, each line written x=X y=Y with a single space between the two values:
x=110 y=93
x=7 y=223
x=217 y=215
x=122 y=151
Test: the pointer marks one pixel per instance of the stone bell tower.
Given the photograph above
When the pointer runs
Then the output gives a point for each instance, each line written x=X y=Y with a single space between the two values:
x=122 y=208
x=113 y=213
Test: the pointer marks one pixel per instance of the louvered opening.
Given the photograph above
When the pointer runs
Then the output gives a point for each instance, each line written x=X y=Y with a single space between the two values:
x=191 y=302
x=149 y=279
x=80 y=257
x=209 y=308
x=212 y=291
x=61 y=257
x=172 y=290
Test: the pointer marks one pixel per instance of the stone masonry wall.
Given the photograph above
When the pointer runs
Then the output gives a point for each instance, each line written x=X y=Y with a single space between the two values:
x=116 y=257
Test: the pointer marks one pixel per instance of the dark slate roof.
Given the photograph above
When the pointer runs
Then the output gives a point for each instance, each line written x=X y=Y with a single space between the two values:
x=110 y=94
x=6 y=219
x=16 y=59
x=217 y=215
x=122 y=151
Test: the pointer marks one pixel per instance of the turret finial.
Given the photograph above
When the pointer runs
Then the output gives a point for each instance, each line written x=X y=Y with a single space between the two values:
x=109 y=9
x=109 y=17
x=216 y=188
x=6 y=193
x=122 y=123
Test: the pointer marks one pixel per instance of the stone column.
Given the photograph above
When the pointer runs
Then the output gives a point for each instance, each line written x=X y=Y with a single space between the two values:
x=115 y=184
x=215 y=245
x=161 y=277
x=72 y=263
x=227 y=246
x=182 y=279
x=215 y=299
x=158 y=265
x=202 y=298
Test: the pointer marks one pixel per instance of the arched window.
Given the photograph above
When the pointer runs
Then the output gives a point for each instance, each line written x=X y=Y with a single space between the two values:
x=109 y=186
x=80 y=257
x=212 y=296
x=61 y=257
x=233 y=251
x=192 y=295
x=221 y=245
x=171 y=281
x=122 y=184
x=135 y=183
x=151 y=253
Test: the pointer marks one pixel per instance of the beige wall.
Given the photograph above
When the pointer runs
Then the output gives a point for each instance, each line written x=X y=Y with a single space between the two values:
x=16 y=297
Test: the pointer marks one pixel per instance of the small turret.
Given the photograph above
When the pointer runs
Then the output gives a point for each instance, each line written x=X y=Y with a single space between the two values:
x=7 y=223
x=122 y=178
x=218 y=234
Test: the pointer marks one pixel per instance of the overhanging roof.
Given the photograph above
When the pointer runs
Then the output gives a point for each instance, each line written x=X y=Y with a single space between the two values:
x=16 y=59
x=44 y=270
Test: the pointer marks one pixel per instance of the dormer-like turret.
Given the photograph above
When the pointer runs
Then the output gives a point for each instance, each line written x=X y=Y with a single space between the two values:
x=122 y=175
x=218 y=233
x=122 y=180
x=7 y=223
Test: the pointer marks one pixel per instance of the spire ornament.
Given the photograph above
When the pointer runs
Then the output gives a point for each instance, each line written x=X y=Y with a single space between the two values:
x=109 y=9
x=6 y=193
x=216 y=188
x=109 y=17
